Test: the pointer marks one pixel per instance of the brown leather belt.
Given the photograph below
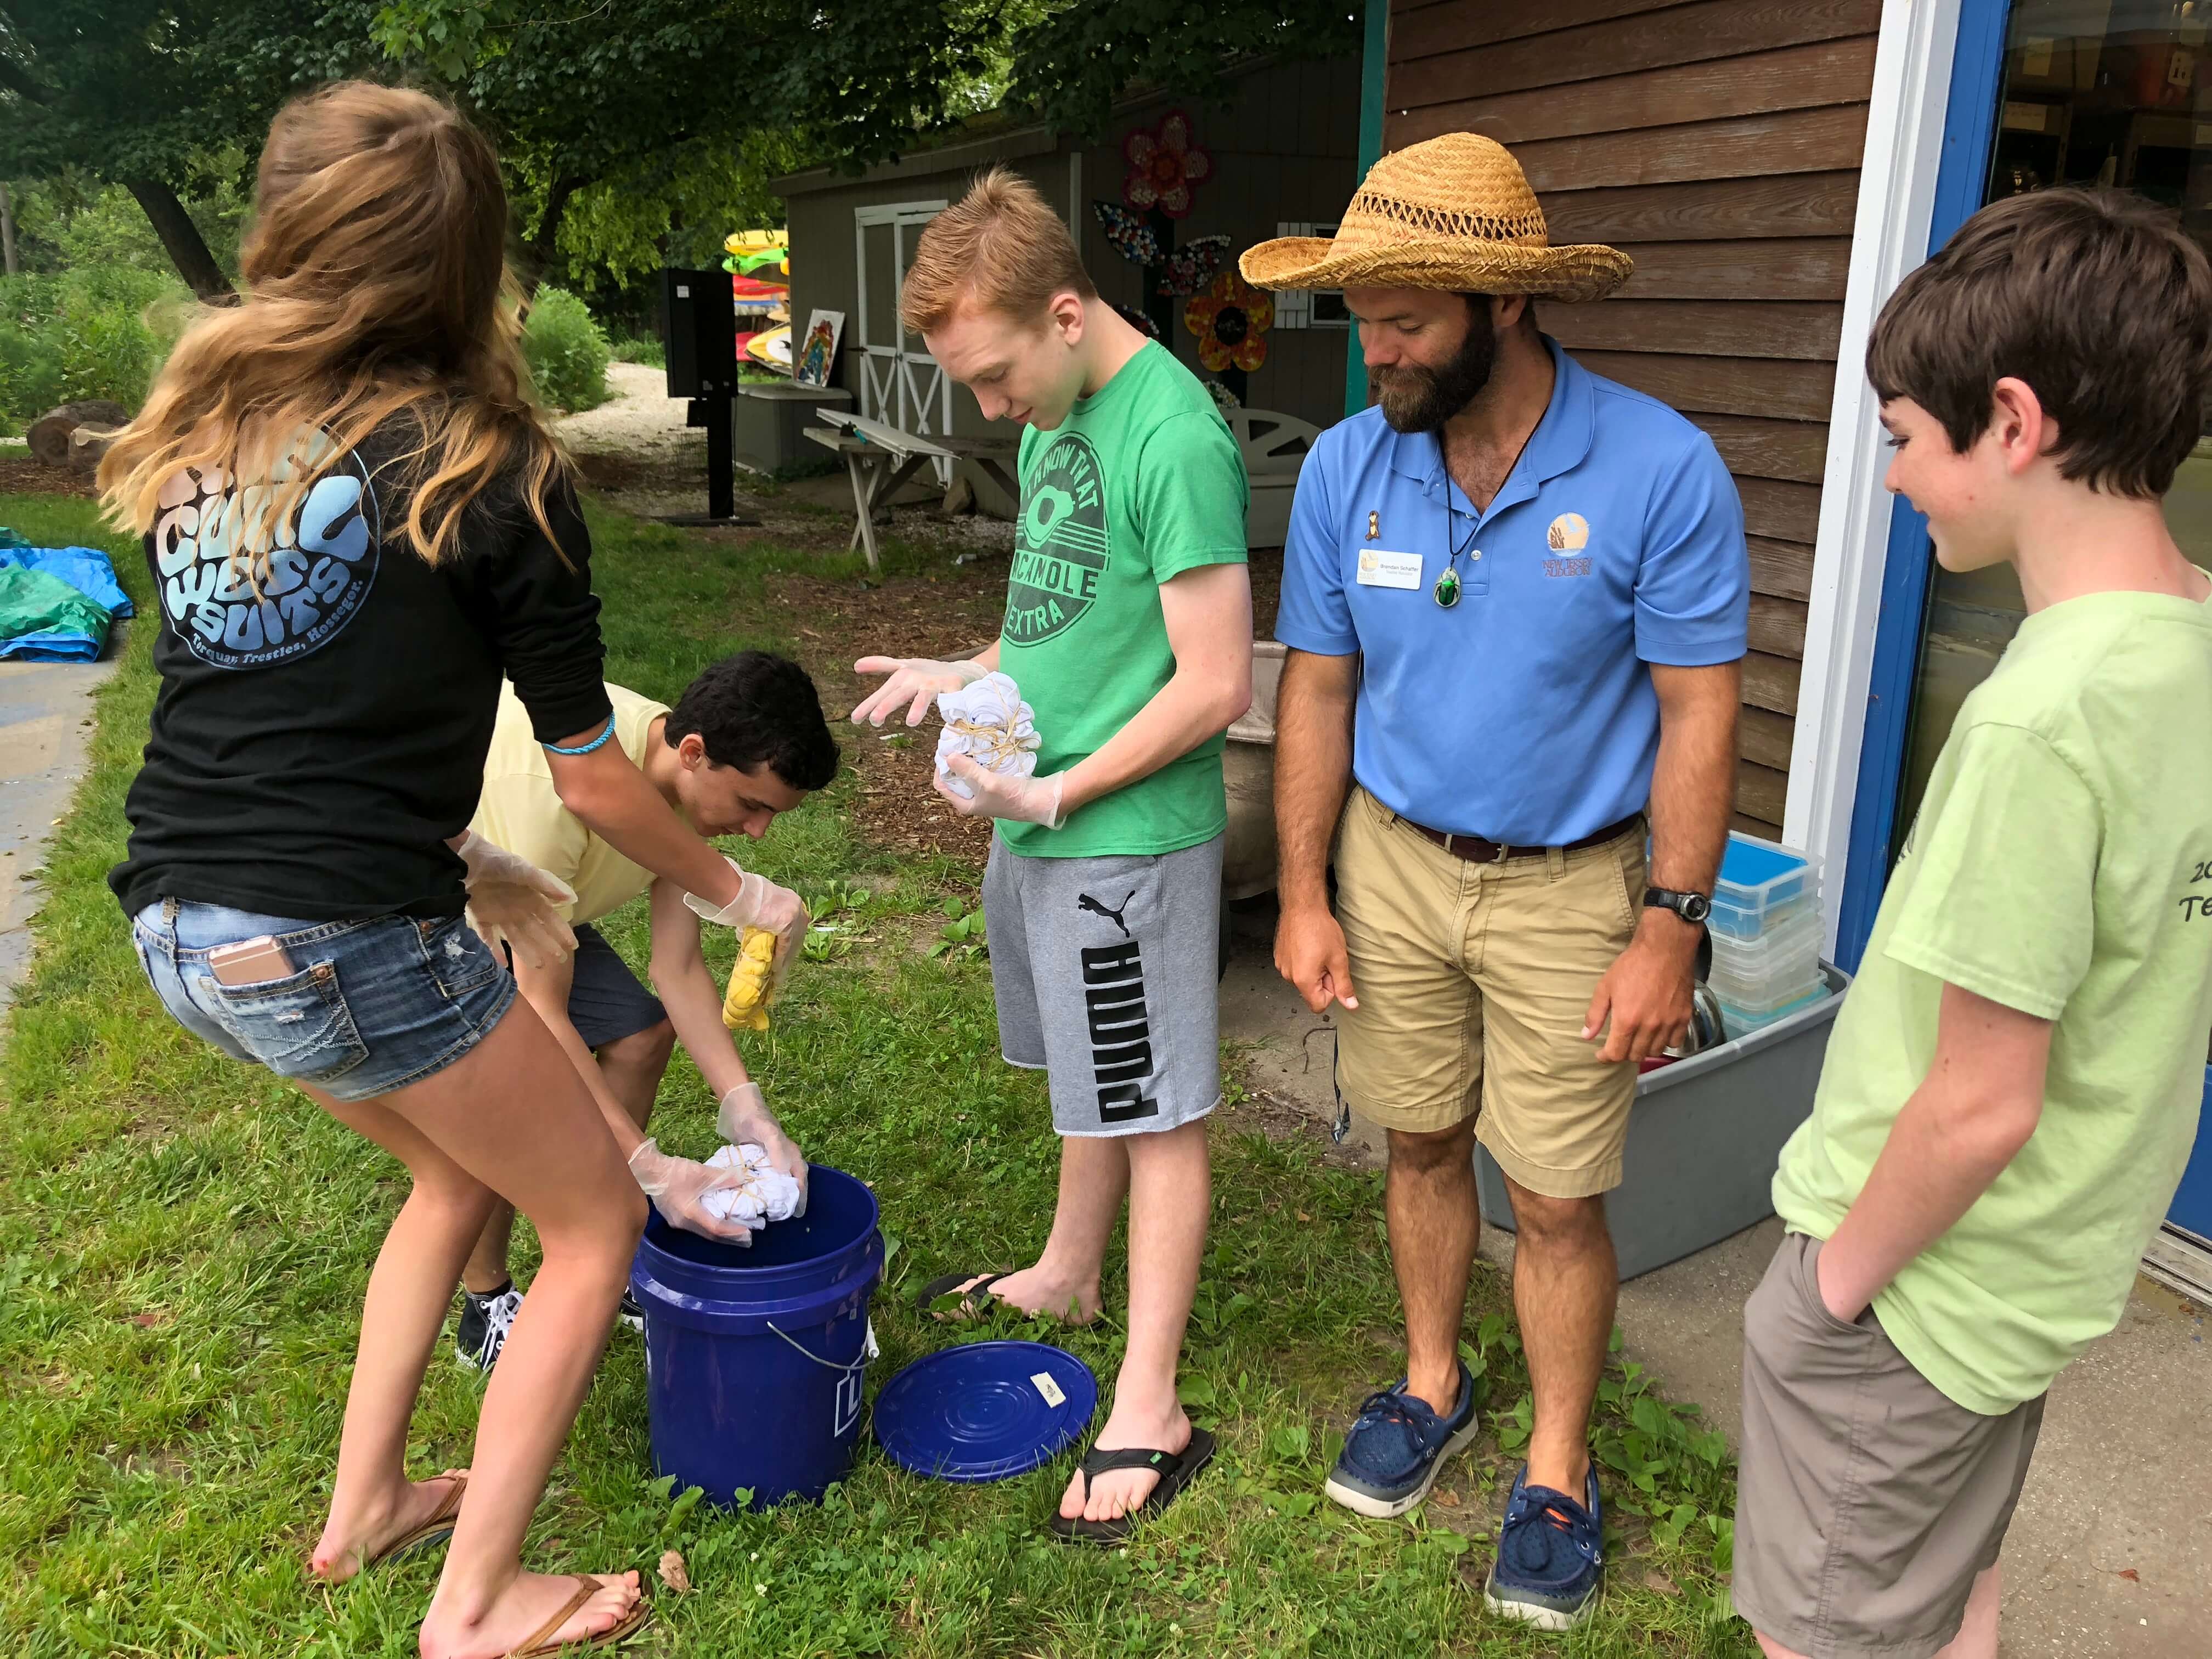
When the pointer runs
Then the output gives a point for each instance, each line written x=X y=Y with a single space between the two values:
x=1475 y=850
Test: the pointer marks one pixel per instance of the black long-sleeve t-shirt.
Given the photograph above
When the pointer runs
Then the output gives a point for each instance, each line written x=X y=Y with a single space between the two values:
x=312 y=748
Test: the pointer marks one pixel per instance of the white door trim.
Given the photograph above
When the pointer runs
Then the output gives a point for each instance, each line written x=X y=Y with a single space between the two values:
x=1889 y=237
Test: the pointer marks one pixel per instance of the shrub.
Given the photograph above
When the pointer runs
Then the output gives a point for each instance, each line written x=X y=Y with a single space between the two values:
x=567 y=353
x=651 y=353
x=102 y=333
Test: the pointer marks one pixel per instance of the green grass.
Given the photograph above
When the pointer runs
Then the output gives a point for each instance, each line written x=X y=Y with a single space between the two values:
x=184 y=1244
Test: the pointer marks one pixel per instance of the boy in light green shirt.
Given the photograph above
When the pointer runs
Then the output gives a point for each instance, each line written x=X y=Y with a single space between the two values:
x=2012 y=1089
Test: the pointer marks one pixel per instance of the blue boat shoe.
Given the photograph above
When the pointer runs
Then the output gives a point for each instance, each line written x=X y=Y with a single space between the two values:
x=1551 y=1556
x=1391 y=1456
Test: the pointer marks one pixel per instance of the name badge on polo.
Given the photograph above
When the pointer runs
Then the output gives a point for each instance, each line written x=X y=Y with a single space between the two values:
x=1380 y=569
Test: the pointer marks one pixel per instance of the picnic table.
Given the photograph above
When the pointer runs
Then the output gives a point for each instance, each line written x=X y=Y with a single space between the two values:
x=879 y=457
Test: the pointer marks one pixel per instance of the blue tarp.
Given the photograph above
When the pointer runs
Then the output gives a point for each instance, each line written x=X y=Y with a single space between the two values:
x=85 y=568
x=56 y=603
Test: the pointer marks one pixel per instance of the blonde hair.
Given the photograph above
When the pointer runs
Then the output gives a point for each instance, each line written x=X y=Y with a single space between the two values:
x=377 y=289
x=1001 y=247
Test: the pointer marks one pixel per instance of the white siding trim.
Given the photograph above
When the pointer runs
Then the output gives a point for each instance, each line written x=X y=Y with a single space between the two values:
x=1889 y=237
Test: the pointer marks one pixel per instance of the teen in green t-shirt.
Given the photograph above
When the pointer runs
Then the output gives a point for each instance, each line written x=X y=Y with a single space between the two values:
x=2012 y=1089
x=1128 y=628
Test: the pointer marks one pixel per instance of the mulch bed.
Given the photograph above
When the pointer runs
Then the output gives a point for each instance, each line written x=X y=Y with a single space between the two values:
x=29 y=477
x=945 y=614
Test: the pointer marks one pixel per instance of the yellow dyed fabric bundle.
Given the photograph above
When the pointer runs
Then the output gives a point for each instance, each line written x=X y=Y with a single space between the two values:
x=745 y=1007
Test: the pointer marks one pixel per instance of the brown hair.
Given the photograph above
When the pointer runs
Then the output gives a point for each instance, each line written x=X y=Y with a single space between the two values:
x=1001 y=246
x=2095 y=299
x=377 y=289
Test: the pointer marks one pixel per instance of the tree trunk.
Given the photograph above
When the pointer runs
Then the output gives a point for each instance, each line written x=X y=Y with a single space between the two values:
x=6 y=228
x=187 y=248
x=548 y=225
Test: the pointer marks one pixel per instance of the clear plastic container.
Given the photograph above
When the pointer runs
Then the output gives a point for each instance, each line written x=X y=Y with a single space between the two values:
x=1785 y=953
x=1738 y=1021
x=1761 y=885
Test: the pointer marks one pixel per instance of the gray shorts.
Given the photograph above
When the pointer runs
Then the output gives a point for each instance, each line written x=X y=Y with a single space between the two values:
x=1105 y=974
x=1866 y=1500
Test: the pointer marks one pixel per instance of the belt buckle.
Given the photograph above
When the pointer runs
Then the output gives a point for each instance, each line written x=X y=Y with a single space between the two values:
x=1503 y=853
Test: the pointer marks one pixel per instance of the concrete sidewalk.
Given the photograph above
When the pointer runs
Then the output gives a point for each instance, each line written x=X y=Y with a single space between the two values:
x=46 y=719
x=2122 y=1483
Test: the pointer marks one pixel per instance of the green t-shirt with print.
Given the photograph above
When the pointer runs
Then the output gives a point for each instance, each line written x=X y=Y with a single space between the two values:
x=2061 y=865
x=1139 y=483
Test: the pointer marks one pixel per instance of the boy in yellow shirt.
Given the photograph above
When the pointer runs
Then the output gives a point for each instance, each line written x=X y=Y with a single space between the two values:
x=744 y=741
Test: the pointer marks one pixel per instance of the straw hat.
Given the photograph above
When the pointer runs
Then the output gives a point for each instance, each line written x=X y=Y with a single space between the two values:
x=1454 y=212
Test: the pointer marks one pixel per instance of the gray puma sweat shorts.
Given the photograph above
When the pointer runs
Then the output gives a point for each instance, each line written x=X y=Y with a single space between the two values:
x=1105 y=972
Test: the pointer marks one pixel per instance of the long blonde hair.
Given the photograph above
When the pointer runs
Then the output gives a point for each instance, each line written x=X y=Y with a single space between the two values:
x=376 y=288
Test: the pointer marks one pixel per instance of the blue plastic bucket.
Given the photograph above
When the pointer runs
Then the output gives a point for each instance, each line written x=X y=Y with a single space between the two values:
x=754 y=1359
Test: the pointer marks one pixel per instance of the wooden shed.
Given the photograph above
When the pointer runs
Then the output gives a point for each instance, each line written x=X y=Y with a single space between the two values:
x=1284 y=150
x=1717 y=144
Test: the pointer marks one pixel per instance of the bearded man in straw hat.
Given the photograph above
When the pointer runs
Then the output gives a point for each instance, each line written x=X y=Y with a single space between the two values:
x=1515 y=596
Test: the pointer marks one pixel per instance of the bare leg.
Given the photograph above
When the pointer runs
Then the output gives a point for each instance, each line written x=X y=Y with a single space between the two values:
x=1565 y=1281
x=514 y=1111
x=1171 y=1200
x=1977 y=1634
x=632 y=1068
x=372 y=1500
x=1434 y=1215
x=1094 y=1176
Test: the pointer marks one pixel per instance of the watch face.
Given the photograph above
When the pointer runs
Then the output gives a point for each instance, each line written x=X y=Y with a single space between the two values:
x=1696 y=907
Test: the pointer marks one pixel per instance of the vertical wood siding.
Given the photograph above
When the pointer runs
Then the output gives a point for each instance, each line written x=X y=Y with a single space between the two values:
x=1716 y=143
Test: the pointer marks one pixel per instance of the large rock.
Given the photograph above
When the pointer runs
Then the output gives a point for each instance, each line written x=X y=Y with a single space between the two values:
x=49 y=436
x=88 y=444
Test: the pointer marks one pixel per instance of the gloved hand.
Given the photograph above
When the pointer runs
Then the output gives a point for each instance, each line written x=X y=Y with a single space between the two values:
x=1003 y=795
x=744 y=1118
x=512 y=900
x=676 y=1186
x=914 y=681
x=759 y=904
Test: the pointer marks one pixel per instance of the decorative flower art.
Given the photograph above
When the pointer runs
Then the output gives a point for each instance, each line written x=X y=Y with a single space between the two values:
x=1165 y=166
x=1231 y=320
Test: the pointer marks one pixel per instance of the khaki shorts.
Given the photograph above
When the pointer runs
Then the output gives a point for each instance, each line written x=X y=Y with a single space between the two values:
x=1473 y=981
x=1866 y=1500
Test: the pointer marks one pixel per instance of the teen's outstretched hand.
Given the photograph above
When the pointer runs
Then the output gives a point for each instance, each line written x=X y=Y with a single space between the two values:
x=1003 y=795
x=513 y=901
x=914 y=681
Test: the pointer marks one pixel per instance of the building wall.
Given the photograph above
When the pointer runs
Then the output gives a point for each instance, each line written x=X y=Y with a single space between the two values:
x=1283 y=149
x=1717 y=144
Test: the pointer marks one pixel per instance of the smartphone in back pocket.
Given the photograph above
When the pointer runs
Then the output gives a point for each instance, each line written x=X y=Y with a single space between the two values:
x=250 y=961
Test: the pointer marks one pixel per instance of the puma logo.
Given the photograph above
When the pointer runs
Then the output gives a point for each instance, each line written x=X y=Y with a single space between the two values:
x=1085 y=902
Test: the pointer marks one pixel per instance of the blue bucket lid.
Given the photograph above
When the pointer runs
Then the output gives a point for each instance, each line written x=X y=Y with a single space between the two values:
x=985 y=1411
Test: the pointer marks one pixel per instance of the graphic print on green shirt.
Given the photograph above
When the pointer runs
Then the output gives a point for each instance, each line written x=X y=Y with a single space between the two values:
x=2060 y=866
x=1141 y=483
x=1061 y=546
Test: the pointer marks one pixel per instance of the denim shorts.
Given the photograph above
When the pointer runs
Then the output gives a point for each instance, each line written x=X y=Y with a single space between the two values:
x=371 y=1006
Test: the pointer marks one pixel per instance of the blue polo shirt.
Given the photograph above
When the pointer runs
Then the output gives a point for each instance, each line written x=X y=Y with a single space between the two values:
x=1525 y=714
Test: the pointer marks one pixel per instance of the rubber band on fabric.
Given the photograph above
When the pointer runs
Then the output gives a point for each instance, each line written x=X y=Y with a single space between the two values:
x=582 y=748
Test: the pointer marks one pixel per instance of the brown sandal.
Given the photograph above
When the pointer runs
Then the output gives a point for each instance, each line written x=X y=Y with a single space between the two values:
x=541 y=1641
x=435 y=1530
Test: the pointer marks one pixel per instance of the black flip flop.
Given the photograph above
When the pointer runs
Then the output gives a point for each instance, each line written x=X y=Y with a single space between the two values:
x=976 y=1303
x=1176 y=1471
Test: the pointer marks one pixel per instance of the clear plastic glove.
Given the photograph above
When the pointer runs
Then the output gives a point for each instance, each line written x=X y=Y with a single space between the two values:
x=1003 y=795
x=676 y=1186
x=745 y=1119
x=513 y=901
x=914 y=681
x=759 y=904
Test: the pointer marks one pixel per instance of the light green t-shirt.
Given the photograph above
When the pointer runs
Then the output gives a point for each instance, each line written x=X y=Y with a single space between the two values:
x=2062 y=865
x=1141 y=483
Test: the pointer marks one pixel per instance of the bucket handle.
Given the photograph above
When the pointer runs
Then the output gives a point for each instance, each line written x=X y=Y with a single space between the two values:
x=867 y=1352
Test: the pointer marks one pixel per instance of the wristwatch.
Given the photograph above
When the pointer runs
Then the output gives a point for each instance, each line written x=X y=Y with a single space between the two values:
x=1692 y=908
